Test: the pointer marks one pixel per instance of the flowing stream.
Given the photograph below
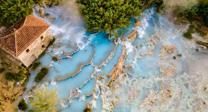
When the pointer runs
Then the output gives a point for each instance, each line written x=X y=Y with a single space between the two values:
x=161 y=70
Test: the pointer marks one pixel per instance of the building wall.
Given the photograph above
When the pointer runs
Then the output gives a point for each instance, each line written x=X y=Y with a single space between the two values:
x=35 y=49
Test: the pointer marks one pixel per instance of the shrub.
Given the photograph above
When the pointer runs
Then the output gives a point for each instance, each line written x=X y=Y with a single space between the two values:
x=22 y=105
x=43 y=72
x=55 y=58
x=87 y=109
x=14 y=76
x=52 y=41
x=35 y=65
x=43 y=100
x=9 y=76
x=188 y=33
x=197 y=13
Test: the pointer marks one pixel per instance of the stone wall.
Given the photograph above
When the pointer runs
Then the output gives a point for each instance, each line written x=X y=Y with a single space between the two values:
x=33 y=51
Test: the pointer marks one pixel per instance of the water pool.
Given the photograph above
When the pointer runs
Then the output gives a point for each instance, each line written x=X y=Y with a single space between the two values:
x=152 y=80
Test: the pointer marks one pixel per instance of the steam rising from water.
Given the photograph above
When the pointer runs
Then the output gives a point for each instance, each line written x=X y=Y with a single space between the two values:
x=133 y=90
x=182 y=3
x=182 y=92
x=66 y=22
x=72 y=12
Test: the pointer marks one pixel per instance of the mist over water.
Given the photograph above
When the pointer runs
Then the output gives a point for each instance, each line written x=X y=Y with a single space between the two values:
x=144 y=86
x=67 y=24
x=183 y=3
x=71 y=11
x=143 y=89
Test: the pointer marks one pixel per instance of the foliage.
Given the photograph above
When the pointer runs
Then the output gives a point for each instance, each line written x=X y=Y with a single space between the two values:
x=43 y=72
x=149 y=3
x=205 y=2
x=13 y=76
x=35 y=65
x=43 y=100
x=12 y=11
x=197 y=13
x=188 y=33
x=52 y=41
x=22 y=105
x=87 y=109
x=55 y=58
x=108 y=15
x=17 y=76
x=49 y=3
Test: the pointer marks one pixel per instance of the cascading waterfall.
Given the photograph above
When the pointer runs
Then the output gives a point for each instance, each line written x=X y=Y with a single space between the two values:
x=151 y=80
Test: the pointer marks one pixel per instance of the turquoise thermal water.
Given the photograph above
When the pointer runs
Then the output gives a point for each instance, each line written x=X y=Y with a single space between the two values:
x=84 y=57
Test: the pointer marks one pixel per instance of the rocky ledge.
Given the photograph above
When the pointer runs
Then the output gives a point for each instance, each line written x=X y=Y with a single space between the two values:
x=118 y=69
x=132 y=36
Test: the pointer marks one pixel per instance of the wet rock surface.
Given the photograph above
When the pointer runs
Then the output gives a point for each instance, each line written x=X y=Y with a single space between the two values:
x=156 y=71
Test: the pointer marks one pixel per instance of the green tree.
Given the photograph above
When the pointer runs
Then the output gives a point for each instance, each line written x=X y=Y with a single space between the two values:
x=48 y=2
x=108 y=15
x=12 y=11
x=44 y=100
x=198 y=12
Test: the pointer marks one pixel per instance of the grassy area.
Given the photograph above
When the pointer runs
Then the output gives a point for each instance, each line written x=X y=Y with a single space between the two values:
x=19 y=76
x=12 y=83
x=43 y=100
x=13 y=76
x=10 y=89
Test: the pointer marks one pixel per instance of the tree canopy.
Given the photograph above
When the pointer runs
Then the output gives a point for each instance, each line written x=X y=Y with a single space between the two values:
x=48 y=2
x=198 y=12
x=12 y=11
x=198 y=17
x=44 y=100
x=108 y=15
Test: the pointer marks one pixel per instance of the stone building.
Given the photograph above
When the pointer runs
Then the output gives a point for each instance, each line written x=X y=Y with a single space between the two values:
x=26 y=40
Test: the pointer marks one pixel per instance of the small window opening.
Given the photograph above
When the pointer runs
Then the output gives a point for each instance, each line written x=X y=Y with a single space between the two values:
x=43 y=46
x=27 y=50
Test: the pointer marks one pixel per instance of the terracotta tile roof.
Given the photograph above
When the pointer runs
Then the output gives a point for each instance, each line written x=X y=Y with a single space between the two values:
x=16 y=42
x=7 y=43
